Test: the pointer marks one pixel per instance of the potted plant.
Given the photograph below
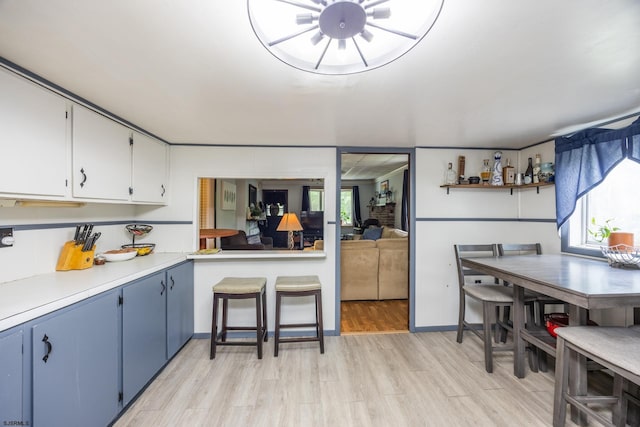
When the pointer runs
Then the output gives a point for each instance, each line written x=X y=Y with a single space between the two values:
x=612 y=234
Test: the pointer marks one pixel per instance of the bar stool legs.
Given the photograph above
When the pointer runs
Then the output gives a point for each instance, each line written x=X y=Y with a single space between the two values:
x=298 y=286
x=238 y=288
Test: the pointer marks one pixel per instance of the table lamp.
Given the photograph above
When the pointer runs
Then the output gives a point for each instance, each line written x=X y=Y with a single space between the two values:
x=289 y=223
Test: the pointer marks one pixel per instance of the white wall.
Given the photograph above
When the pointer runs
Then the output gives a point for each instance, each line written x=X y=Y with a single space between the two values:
x=189 y=163
x=468 y=216
x=36 y=251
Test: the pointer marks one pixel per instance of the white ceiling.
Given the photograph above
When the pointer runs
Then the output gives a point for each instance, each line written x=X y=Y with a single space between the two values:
x=370 y=166
x=491 y=73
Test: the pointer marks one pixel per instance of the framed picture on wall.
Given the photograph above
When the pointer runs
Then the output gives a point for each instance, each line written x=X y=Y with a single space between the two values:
x=253 y=195
x=384 y=187
x=228 y=196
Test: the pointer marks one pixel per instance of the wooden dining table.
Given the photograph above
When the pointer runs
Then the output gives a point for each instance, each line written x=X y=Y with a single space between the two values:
x=583 y=283
x=215 y=233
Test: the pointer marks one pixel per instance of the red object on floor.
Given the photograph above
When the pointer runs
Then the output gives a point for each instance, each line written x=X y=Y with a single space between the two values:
x=558 y=320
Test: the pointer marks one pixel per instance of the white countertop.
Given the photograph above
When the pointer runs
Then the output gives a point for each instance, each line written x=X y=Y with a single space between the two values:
x=25 y=299
x=262 y=254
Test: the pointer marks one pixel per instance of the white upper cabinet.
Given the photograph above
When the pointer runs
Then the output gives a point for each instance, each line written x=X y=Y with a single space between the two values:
x=149 y=170
x=101 y=157
x=33 y=139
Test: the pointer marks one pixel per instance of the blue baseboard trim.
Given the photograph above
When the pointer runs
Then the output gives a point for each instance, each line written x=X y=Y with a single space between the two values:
x=442 y=328
x=249 y=334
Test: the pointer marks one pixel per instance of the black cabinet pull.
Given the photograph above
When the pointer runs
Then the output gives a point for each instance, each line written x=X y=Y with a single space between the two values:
x=173 y=282
x=84 y=177
x=164 y=287
x=46 y=342
x=163 y=190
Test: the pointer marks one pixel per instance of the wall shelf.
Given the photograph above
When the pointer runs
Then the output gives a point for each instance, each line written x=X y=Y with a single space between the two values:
x=498 y=187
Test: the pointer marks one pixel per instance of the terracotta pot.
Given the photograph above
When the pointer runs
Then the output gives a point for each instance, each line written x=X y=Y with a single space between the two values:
x=620 y=238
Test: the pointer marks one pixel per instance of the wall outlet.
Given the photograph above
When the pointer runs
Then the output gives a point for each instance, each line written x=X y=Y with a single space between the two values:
x=6 y=237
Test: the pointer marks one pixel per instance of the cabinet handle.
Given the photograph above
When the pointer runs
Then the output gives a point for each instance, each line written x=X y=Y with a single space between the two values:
x=173 y=282
x=163 y=190
x=164 y=287
x=84 y=177
x=46 y=342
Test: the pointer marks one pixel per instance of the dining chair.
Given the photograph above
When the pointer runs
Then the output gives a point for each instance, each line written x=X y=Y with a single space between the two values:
x=538 y=358
x=489 y=292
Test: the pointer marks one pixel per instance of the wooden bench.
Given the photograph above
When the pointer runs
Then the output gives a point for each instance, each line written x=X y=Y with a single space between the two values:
x=615 y=348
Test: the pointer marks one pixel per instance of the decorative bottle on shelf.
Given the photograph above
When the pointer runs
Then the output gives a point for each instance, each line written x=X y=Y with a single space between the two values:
x=450 y=175
x=485 y=174
x=528 y=174
x=496 y=178
x=509 y=174
x=536 y=170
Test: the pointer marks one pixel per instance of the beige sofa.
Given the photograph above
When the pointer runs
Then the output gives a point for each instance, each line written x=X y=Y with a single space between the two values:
x=375 y=269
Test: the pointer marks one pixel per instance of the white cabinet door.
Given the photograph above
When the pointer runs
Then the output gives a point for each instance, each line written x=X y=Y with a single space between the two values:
x=149 y=170
x=33 y=139
x=101 y=157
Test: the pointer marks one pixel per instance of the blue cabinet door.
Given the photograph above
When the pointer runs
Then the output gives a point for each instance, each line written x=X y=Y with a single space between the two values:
x=144 y=332
x=11 y=377
x=179 y=307
x=75 y=365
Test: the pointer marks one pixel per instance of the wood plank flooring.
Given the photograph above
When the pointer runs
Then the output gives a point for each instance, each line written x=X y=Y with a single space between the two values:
x=374 y=316
x=421 y=379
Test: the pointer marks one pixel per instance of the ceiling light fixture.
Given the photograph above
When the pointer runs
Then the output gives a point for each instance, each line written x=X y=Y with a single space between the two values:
x=340 y=36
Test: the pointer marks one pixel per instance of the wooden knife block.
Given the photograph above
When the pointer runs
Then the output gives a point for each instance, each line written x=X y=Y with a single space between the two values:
x=72 y=258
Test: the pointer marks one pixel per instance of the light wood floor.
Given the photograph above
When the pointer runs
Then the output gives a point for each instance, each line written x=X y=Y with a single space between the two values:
x=421 y=379
x=374 y=316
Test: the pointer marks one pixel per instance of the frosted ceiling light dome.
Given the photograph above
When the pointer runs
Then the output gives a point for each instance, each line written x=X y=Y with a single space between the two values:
x=341 y=36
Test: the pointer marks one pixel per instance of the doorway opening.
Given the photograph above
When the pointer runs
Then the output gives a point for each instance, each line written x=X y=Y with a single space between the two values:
x=374 y=242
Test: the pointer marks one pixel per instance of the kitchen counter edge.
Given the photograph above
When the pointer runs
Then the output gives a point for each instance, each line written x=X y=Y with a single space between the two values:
x=26 y=299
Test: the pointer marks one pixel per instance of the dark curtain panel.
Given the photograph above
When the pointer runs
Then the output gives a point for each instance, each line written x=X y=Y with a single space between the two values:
x=633 y=135
x=584 y=159
x=306 y=205
x=404 y=213
x=357 y=218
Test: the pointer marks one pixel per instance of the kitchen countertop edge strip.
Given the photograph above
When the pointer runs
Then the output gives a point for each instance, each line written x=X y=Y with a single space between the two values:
x=26 y=299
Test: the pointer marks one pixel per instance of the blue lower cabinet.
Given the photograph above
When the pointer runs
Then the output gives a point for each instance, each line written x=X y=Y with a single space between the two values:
x=11 y=391
x=144 y=332
x=75 y=356
x=179 y=307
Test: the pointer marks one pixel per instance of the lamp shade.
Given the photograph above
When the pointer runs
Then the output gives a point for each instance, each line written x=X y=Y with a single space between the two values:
x=289 y=222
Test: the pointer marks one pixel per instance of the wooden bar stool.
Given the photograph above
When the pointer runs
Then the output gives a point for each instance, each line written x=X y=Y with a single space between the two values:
x=299 y=286
x=239 y=288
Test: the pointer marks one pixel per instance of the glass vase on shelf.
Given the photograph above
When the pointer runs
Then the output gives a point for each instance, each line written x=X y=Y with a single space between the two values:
x=450 y=175
x=485 y=173
x=496 y=177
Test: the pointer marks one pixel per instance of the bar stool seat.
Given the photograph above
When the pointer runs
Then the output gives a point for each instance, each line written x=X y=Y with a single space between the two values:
x=239 y=288
x=298 y=286
x=615 y=348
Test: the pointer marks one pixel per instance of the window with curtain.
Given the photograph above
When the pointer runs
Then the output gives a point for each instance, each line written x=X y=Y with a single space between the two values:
x=596 y=170
x=611 y=200
x=346 y=207
x=316 y=199
x=206 y=211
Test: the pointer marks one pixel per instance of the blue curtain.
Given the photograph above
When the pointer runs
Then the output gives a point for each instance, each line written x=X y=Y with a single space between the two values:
x=404 y=213
x=357 y=218
x=633 y=136
x=306 y=204
x=584 y=159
